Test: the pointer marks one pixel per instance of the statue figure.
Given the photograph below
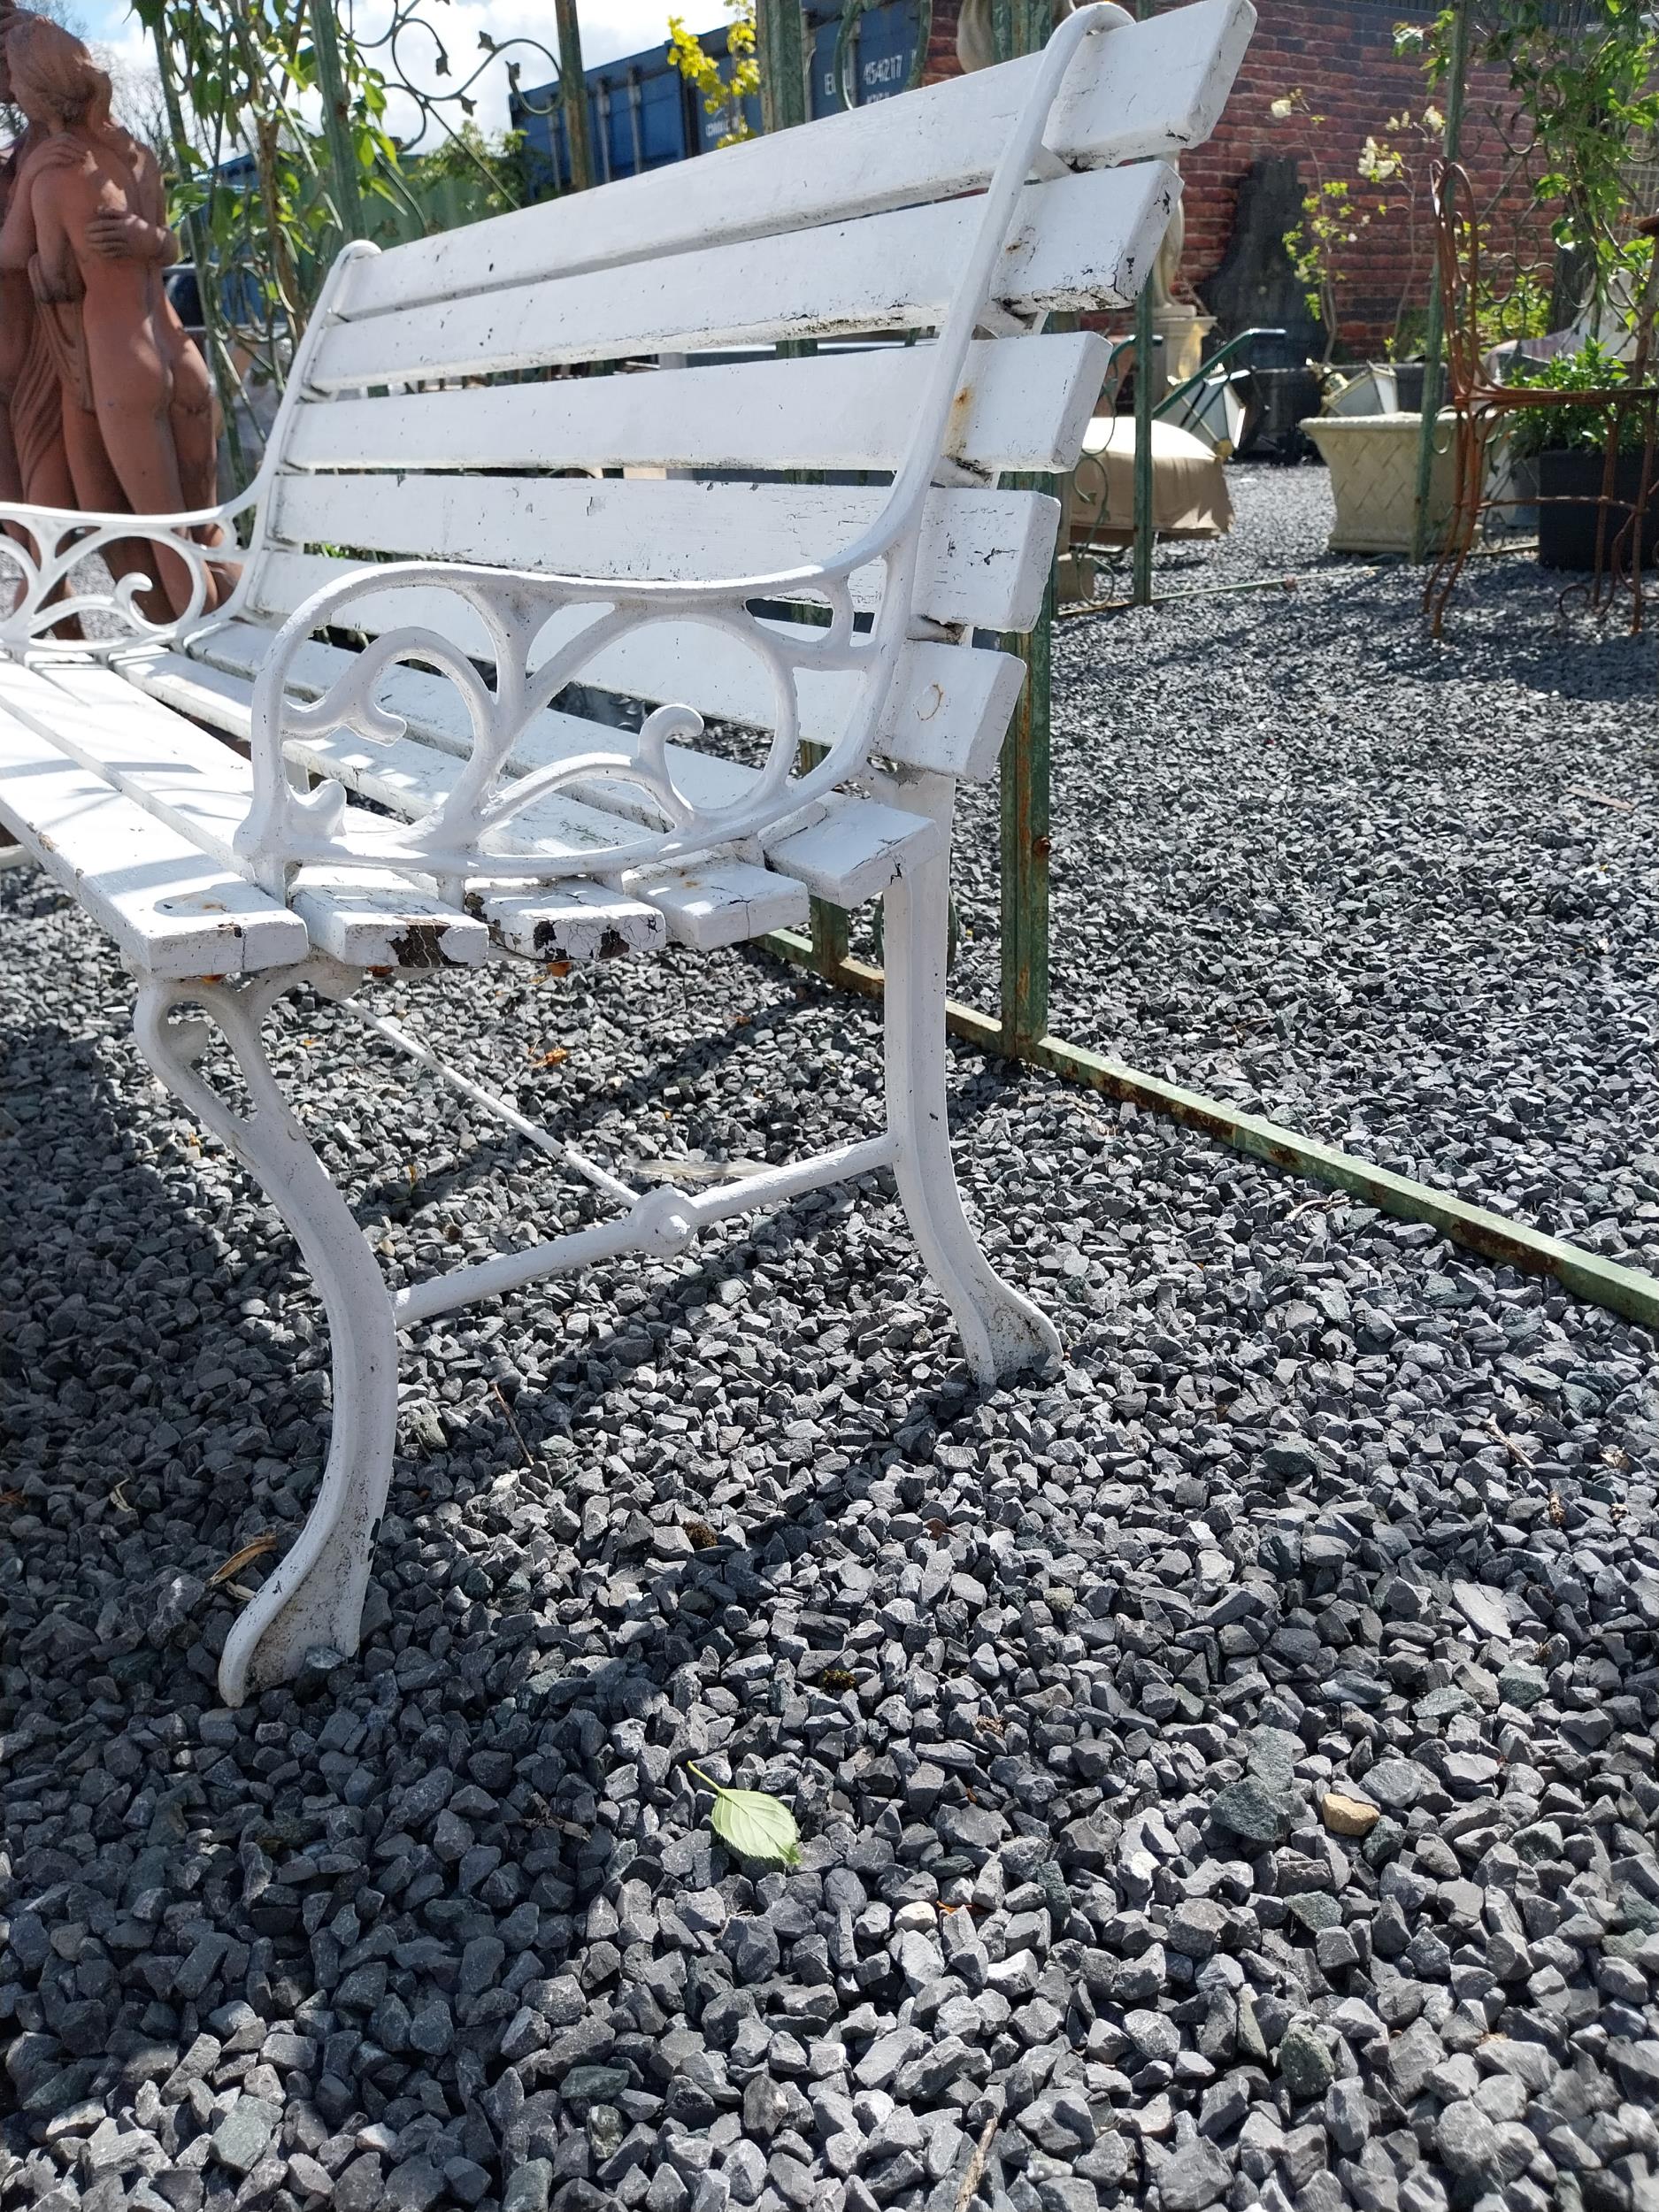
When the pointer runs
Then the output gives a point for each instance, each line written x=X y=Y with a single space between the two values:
x=1165 y=269
x=85 y=229
x=34 y=462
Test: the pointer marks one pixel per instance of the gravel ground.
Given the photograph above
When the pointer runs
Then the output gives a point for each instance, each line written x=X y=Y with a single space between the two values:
x=1401 y=895
x=1226 y=1763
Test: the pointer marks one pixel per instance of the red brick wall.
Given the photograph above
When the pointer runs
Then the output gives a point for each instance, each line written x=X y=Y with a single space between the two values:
x=1341 y=54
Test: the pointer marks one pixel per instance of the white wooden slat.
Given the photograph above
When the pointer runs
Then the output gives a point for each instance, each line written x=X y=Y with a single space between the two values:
x=201 y=789
x=948 y=711
x=116 y=739
x=1078 y=242
x=854 y=851
x=846 y=850
x=170 y=909
x=719 y=902
x=984 y=554
x=1024 y=403
x=1148 y=89
x=369 y=920
x=574 y=925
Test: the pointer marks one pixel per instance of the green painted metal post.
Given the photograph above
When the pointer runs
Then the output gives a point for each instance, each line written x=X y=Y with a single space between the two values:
x=573 y=95
x=343 y=150
x=1021 y=27
x=1146 y=350
x=780 y=50
x=1025 y=834
x=1434 y=344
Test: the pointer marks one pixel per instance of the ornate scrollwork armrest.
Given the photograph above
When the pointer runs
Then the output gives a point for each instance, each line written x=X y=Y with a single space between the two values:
x=478 y=830
x=40 y=548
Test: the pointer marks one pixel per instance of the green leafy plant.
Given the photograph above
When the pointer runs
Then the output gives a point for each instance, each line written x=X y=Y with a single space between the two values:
x=472 y=171
x=1582 y=98
x=750 y=1823
x=1336 y=211
x=722 y=96
x=1592 y=368
x=1514 y=306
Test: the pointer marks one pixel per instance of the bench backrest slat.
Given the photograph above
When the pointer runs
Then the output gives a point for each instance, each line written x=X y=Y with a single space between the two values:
x=1022 y=405
x=1081 y=241
x=985 y=554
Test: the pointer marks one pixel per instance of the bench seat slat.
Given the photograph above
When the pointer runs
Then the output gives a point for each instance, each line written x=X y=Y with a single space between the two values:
x=577 y=924
x=1148 y=89
x=1025 y=403
x=201 y=789
x=712 y=903
x=173 y=912
x=984 y=554
x=374 y=921
x=1078 y=242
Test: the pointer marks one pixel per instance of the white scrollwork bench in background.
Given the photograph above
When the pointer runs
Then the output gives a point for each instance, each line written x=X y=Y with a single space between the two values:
x=507 y=536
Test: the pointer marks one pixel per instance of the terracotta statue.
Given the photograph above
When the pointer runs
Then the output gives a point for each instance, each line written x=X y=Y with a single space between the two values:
x=33 y=463
x=85 y=230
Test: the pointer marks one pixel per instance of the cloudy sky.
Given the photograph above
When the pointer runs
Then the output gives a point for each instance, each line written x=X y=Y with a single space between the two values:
x=609 y=27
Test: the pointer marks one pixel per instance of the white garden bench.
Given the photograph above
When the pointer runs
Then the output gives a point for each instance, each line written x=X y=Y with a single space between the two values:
x=505 y=536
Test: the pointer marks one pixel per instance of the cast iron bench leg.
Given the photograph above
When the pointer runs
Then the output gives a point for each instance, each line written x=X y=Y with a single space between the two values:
x=1001 y=1332
x=315 y=1596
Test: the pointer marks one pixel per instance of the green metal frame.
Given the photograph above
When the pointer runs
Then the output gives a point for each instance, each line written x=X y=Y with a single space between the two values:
x=573 y=95
x=1217 y=359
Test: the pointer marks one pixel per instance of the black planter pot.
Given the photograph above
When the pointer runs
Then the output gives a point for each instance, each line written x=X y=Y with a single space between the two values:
x=1408 y=383
x=1284 y=398
x=1567 y=532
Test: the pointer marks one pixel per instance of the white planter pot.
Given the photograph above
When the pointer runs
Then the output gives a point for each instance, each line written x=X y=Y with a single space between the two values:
x=1373 y=465
x=1372 y=390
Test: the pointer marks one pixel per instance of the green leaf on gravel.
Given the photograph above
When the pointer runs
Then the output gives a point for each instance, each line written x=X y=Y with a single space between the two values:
x=755 y=1825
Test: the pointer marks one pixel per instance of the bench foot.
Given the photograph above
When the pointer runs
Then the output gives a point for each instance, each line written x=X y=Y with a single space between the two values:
x=315 y=1596
x=1001 y=1331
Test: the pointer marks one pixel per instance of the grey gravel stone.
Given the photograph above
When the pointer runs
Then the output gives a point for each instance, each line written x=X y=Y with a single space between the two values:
x=1305 y=2066
x=240 y=2137
x=1060 y=1680
x=1193 y=2179
x=1252 y=1811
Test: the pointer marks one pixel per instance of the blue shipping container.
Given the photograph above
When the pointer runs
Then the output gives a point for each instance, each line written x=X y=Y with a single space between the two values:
x=643 y=115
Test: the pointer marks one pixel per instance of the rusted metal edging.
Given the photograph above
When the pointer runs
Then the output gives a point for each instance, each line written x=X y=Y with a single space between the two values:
x=1490 y=1236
